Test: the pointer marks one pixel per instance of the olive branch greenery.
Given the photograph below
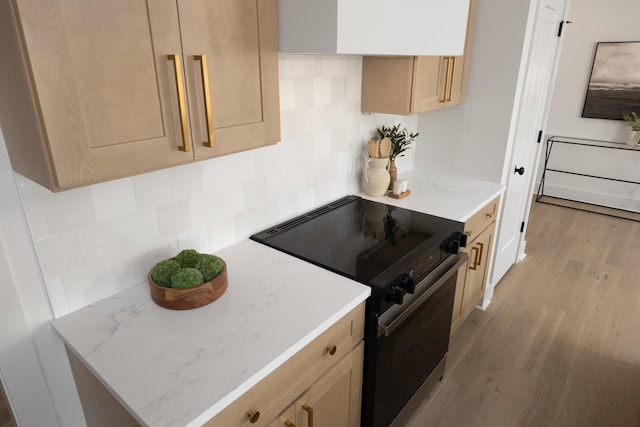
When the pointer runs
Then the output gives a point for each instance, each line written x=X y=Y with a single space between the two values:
x=400 y=139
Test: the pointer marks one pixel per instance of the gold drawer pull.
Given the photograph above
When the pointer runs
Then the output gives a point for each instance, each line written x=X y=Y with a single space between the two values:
x=332 y=350
x=254 y=416
x=488 y=215
x=207 y=98
x=288 y=423
x=309 y=411
x=468 y=233
x=186 y=146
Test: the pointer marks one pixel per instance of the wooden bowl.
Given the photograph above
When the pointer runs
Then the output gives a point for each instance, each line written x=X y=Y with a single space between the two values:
x=186 y=299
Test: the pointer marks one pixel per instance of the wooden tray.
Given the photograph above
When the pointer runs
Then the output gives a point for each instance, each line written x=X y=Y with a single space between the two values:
x=399 y=196
x=186 y=299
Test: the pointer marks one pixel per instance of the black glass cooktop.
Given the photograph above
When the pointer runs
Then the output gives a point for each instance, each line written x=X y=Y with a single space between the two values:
x=360 y=238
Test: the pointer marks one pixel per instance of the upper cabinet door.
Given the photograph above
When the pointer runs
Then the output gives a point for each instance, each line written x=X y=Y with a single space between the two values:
x=93 y=90
x=103 y=85
x=233 y=44
x=373 y=27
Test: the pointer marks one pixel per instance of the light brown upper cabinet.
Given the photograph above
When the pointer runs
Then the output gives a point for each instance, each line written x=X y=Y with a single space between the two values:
x=95 y=90
x=415 y=84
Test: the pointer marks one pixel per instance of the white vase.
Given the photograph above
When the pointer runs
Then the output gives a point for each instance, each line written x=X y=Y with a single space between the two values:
x=376 y=176
x=634 y=139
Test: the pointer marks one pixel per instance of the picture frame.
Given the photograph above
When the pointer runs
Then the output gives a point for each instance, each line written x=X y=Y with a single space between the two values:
x=614 y=83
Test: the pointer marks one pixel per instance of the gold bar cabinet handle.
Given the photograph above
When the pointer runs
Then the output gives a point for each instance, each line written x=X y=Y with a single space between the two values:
x=474 y=259
x=309 y=410
x=207 y=99
x=186 y=146
x=453 y=70
x=446 y=80
x=480 y=252
x=288 y=423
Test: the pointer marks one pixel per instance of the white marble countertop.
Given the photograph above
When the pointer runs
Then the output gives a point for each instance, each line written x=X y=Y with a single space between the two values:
x=443 y=195
x=180 y=368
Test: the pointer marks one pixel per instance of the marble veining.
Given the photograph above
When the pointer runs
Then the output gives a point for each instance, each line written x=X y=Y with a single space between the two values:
x=443 y=195
x=179 y=368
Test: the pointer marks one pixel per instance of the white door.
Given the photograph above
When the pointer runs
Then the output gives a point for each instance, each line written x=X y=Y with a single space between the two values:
x=530 y=118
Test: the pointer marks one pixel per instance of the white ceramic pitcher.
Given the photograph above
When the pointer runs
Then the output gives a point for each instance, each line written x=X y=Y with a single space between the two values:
x=376 y=176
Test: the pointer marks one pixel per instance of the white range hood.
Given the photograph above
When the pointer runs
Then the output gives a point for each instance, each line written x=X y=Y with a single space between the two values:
x=373 y=27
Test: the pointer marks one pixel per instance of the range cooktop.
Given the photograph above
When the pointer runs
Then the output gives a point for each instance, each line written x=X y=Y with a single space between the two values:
x=367 y=241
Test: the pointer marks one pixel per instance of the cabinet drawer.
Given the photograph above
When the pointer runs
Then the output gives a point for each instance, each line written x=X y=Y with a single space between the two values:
x=481 y=219
x=295 y=375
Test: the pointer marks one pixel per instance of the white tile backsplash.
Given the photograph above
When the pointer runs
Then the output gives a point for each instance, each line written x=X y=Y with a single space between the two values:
x=304 y=95
x=68 y=210
x=100 y=242
x=113 y=199
x=339 y=89
x=322 y=90
x=95 y=241
x=174 y=218
x=151 y=189
x=58 y=254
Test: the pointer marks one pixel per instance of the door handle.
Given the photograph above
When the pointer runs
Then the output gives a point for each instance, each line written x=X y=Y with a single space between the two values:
x=519 y=170
x=177 y=68
x=207 y=98
x=446 y=80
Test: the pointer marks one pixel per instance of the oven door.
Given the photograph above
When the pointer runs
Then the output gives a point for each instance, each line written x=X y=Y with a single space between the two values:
x=406 y=353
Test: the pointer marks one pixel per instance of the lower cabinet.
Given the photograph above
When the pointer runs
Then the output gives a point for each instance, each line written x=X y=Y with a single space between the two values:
x=472 y=276
x=320 y=385
x=333 y=400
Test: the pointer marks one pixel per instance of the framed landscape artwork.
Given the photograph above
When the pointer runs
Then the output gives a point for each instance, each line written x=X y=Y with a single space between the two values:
x=614 y=86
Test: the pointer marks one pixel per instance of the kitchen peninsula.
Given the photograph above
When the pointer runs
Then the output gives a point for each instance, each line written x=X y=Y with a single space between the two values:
x=182 y=368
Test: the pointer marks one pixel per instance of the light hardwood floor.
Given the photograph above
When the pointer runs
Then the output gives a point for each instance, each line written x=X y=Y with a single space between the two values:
x=559 y=345
x=5 y=416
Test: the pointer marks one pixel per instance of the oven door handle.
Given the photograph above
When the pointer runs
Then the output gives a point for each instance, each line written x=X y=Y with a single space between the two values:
x=388 y=329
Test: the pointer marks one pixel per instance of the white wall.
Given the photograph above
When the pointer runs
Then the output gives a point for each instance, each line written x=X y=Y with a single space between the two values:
x=593 y=21
x=472 y=139
x=23 y=309
x=94 y=241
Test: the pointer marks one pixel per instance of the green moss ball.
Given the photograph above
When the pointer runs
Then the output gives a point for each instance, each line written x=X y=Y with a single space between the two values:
x=162 y=272
x=186 y=278
x=188 y=258
x=210 y=266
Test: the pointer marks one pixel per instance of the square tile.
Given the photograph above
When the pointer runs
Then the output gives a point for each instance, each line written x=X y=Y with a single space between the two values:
x=304 y=92
x=101 y=242
x=68 y=210
x=287 y=94
x=151 y=189
x=112 y=199
x=185 y=180
x=322 y=92
x=58 y=255
x=174 y=218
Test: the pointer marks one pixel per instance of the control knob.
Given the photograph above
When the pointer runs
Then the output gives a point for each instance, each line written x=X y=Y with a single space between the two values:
x=460 y=237
x=408 y=283
x=451 y=245
x=396 y=294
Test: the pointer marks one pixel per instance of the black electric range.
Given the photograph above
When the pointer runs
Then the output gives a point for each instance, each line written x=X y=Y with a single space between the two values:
x=410 y=261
